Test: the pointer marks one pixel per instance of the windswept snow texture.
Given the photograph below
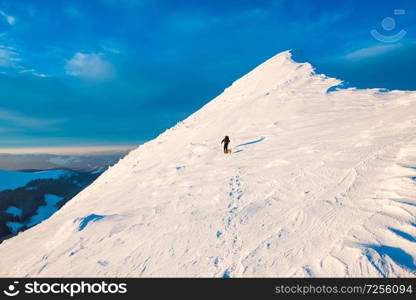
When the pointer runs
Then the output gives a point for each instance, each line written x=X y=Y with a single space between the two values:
x=322 y=187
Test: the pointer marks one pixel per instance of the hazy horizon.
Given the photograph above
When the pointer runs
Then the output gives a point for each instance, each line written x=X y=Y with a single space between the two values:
x=71 y=150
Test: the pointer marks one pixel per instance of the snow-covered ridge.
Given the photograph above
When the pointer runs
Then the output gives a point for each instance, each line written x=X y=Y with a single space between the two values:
x=319 y=184
x=277 y=73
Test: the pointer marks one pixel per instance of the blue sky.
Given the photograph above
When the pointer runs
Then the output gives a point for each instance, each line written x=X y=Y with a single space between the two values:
x=119 y=72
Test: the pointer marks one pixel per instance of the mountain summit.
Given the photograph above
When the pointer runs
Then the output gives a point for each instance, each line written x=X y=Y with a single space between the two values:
x=320 y=183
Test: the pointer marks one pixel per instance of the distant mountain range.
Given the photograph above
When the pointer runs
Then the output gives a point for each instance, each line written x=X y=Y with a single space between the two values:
x=86 y=163
x=34 y=186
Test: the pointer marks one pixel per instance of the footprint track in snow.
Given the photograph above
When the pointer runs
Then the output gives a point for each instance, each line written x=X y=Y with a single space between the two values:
x=234 y=196
x=228 y=235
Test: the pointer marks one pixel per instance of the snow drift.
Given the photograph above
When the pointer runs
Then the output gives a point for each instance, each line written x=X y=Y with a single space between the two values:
x=320 y=184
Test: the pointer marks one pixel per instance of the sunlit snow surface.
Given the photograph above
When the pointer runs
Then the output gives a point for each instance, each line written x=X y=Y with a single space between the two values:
x=321 y=183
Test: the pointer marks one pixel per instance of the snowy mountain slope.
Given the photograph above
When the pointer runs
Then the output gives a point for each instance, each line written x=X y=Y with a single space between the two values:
x=319 y=184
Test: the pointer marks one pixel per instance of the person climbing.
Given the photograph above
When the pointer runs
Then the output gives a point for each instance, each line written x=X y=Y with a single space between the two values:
x=226 y=141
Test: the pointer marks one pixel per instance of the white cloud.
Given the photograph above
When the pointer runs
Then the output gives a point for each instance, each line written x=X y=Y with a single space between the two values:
x=8 y=56
x=111 y=46
x=39 y=74
x=10 y=60
x=17 y=119
x=89 y=66
x=364 y=53
x=107 y=47
x=33 y=72
x=9 y=19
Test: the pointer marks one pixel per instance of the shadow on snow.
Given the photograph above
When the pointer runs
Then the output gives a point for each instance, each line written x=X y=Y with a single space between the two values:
x=251 y=142
x=398 y=255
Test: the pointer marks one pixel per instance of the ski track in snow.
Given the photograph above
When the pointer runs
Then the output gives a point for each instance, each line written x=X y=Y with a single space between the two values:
x=320 y=184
